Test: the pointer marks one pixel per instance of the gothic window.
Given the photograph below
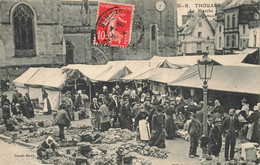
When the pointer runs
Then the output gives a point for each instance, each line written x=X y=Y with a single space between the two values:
x=228 y=21
x=23 y=31
x=233 y=21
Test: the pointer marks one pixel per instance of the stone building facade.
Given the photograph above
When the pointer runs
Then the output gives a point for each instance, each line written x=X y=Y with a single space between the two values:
x=152 y=33
x=196 y=35
x=31 y=34
x=236 y=20
x=59 y=32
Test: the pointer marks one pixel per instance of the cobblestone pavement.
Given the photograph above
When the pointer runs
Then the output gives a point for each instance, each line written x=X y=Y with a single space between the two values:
x=14 y=154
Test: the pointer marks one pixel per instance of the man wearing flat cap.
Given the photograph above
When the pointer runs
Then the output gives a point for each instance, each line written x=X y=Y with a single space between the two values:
x=215 y=136
x=194 y=130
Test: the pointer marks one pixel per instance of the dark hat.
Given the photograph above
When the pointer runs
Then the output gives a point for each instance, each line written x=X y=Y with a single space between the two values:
x=160 y=108
x=217 y=120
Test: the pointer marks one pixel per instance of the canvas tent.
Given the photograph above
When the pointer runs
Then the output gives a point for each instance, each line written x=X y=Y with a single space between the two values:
x=235 y=59
x=131 y=76
x=21 y=80
x=50 y=79
x=133 y=65
x=114 y=73
x=241 y=79
x=89 y=71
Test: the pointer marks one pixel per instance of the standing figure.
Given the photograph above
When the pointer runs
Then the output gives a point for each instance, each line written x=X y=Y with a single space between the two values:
x=46 y=103
x=231 y=126
x=170 y=126
x=104 y=117
x=68 y=102
x=62 y=120
x=29 y=105
x=218 y=110
x=253 y=131
x=5 y=99
x=23 y=105
x=133 y=98
x=215 y=136
x=78 y=101
x=114 y=109
x=142 y=124
x=6 y=111
x=125 y=115
x=95 y=120
x=194 y=130
x=158 y=128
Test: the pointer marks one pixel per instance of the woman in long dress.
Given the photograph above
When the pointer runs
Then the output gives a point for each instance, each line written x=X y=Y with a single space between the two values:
x=158 y=129
x=95 y=120
x=46 y=103
x=125 y=115
x=170 y=126
x=143 y=126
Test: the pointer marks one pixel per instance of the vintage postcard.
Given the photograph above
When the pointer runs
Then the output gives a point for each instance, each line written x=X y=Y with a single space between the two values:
x=129 y=82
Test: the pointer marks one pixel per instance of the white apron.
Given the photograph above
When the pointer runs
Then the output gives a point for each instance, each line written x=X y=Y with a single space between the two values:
x=144 y=130
x=45 y=106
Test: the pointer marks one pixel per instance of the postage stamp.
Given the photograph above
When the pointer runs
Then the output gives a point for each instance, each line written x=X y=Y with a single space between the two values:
x=114 y=23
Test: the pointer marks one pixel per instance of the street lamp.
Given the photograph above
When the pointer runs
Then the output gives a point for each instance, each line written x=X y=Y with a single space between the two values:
x=205 y=68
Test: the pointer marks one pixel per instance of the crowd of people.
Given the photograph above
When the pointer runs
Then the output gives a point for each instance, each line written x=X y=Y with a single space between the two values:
x=156 y=117
x=152 y=115
x=19 y=110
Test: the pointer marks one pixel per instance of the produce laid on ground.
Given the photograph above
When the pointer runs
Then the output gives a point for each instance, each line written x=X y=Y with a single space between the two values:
x=115 y=146
x=142 y=149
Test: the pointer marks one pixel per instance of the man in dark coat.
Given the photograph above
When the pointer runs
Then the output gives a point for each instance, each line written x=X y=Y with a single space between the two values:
x=195 y=131
x=62 y=120
x=215 y=135
x=231 y=126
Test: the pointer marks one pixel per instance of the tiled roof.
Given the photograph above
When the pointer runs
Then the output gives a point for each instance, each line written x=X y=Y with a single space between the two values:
x=188 y=27
x=236 y=3
x=190 y=24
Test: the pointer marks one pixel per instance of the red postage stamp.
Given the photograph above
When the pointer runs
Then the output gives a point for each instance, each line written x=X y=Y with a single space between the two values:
x=114 y=24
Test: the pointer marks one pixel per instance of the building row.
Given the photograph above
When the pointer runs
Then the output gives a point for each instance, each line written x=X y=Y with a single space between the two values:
x=236 y=27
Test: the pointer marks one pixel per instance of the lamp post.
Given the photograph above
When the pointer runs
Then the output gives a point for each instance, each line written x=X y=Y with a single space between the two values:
x=205 y=68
